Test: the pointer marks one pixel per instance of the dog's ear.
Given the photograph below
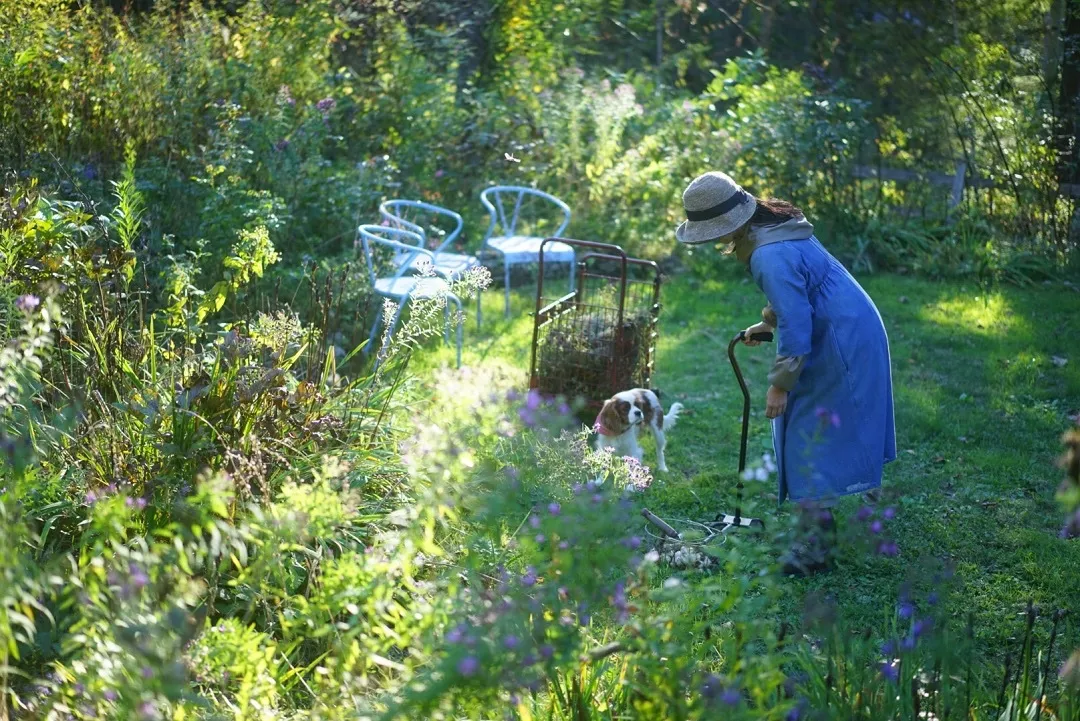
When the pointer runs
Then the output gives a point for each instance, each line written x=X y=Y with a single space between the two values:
x=615 y=415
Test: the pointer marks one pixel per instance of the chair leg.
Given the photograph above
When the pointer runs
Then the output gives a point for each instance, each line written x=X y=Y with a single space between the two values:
x=573 y=278
x=393 y=325
x=506 y=285
x=374 y=328
x=451 y=298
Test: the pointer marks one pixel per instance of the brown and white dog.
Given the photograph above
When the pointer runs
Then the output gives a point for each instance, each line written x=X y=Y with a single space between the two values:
x=626 y=415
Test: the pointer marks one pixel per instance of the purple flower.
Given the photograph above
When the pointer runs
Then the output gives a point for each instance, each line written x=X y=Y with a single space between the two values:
x=326 y=105
x=888 y=648
x=511 y=642
x=439 y=173
x=822 y=414
x=546 y=651
x=456 y=634
x=906 y=610
x=79 y=689
x=597 y=498
x=563 y=545
x=798 y=712
x=533 y=400
x=633 y=542
x=890 y=513
x=921 y=626
x=281 y=144
x=554 y=509
x=534 y=520
x=864 y=513
x=888 y=548
x=138 y=576
x=731 y=697
x=564 y=409
x=835 y=420
x=540 y=538
x=109 y=694
x=147 y=672
x=891 y=671
x=27 y=303
x=90 y=498
x=932 y=599
x=908 y=644
x=875 y=527
x=529 y=579
x=146 y=708
x=468 y=666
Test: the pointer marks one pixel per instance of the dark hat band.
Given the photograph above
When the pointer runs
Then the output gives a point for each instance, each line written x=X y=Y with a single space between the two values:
x=719 y=209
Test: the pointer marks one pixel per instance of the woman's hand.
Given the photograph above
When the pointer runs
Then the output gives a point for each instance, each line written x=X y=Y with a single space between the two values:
x=775 y=402
x=756 y=328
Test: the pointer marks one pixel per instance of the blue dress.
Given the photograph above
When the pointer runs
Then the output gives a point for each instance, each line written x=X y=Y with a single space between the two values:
x=838 y=431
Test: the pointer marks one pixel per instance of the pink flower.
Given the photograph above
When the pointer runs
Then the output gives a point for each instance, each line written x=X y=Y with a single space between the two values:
x=439 y=174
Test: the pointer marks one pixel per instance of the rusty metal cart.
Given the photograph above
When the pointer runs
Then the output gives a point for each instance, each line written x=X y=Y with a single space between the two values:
x=600 y=338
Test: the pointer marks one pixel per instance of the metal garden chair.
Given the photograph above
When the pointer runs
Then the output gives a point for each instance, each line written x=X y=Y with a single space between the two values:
x=424 y=220
x=401 y=287
x=522 y=246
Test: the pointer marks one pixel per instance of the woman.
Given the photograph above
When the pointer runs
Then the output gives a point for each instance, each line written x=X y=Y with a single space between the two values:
x=830 y=389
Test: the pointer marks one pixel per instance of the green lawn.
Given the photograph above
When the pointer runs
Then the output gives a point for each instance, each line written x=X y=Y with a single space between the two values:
x=980 y=408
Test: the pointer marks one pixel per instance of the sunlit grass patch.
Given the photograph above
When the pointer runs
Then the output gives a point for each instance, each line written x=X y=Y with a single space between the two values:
x=987 y=314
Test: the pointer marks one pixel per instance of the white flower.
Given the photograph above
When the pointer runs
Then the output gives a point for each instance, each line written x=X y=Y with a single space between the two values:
x=652 y=556
x=761 y=474
x=672 y=582
x=748 y=474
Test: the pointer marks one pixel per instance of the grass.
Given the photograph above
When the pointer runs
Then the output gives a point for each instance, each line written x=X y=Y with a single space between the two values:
x=980 y=408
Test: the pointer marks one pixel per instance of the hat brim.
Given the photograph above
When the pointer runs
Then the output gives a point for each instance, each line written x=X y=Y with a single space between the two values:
x=696 y=232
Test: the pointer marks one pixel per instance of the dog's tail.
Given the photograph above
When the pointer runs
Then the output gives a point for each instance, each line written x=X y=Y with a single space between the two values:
x=672 y=415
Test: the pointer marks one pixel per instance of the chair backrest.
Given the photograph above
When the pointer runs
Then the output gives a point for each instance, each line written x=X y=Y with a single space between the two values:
x=402 y=242
x=504 y=204
x=439 y=227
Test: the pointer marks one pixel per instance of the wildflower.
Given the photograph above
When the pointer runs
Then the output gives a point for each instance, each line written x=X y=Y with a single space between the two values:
x=534 y=520
x=834 y=419
x=921 y=626
x=532 y=402
x=281 y=144
x=147 y=672
x=90 y=498
x=875 y=527
x=468 y=666
x=109 y=694
x=540 y=538
x=798 y=712
x=888 y=548
x=326 y=105
x=888 y=648
x=546 y=651
x=906 y=610
x=564 y=409
x=79 y=689
x=908 y=644
x=864 y=513
x=439 y=173
x=1070 y=671
x=27 y=303
x=138 y=576
x=147 y=709
x=731 y=697
x=633 y=542
x=748 y=474
x=932 y=599
x=761 y=474
x=563 y=545
x=890 y=513
x=554 y=508
x=456 y=634
x=822 y=414
x=891 y=671
x=687 y=106
x=529 y=579
x=511 y=642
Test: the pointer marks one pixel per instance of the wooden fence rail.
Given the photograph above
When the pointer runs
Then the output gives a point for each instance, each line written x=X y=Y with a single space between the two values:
x=957 y=181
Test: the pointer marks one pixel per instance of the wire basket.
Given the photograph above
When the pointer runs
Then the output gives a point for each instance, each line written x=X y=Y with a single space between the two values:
x=600 y=338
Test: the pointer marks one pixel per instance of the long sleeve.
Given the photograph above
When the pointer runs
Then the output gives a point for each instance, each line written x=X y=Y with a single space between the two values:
x=778 y=273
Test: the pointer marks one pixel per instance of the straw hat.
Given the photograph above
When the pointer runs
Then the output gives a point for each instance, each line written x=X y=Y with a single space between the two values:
x=715 y=207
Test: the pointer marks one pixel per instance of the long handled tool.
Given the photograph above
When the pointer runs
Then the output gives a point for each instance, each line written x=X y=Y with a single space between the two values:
x=738 y=520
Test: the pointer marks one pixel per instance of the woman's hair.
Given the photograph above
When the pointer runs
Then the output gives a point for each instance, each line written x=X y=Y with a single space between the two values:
x=773 y=211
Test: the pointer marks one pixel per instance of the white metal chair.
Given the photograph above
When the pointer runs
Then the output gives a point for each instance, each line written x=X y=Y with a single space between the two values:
x=521 y=248
x=401 y=287
x=424 y=220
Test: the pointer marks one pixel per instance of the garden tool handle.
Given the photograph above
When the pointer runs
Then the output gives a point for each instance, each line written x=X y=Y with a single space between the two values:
x=767 y=338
